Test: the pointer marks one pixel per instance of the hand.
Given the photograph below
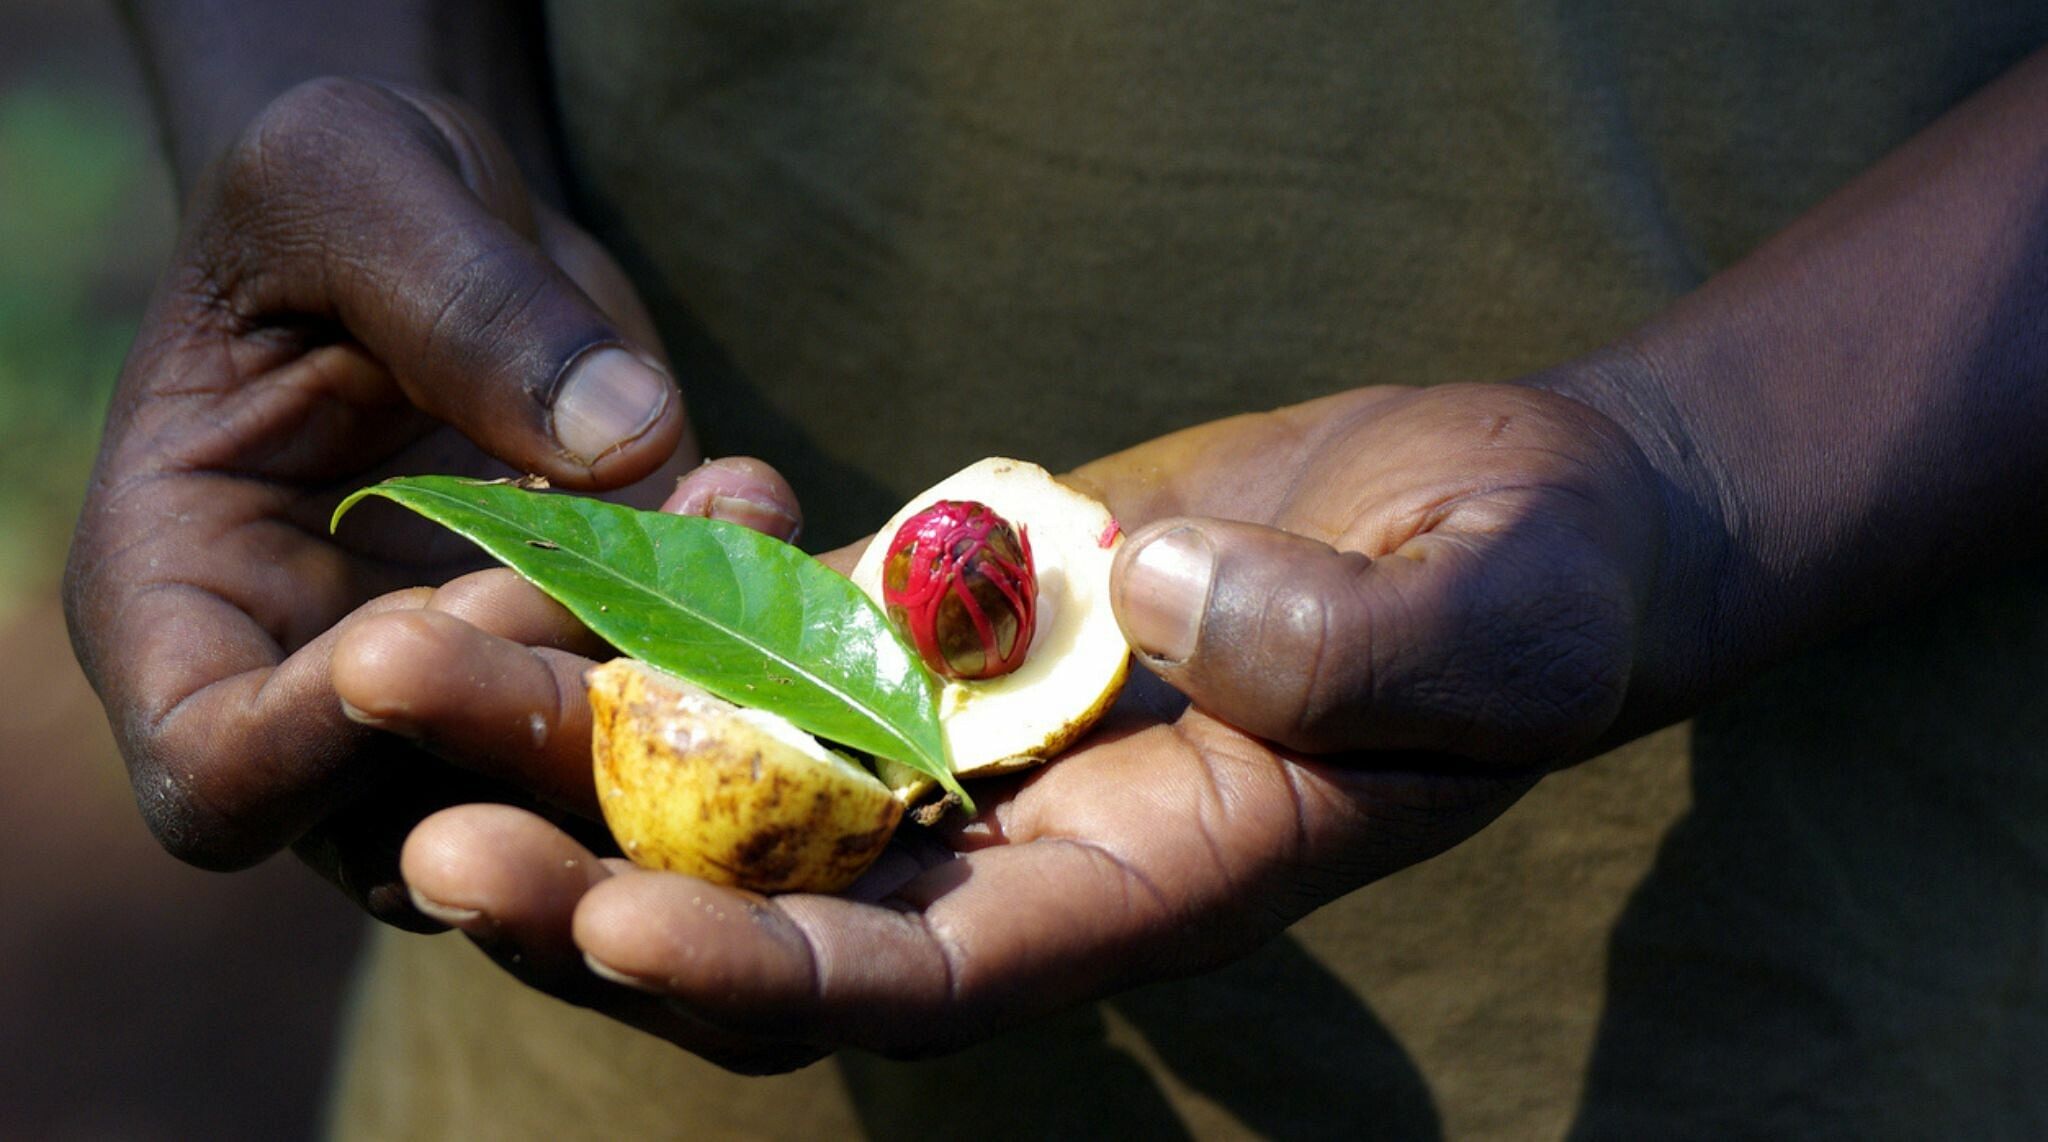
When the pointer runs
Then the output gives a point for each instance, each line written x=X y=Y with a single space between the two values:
x=363 y=287
x=1423 y=599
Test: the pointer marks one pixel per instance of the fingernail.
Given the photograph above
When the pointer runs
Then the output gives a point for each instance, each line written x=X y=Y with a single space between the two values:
x=363 y=717
x=446 y=913
x=605 y=971
x=608 y=400
x=1165 y=590
x=768 y=519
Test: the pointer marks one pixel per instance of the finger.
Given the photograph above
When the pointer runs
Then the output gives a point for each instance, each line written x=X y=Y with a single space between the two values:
x=1085 y=896
x=233 y=750
x=512 y=882
x=832 y=971
x=461 y=869
x=1483 y=646
x=399 y=216
x=496 y=654
x=501 y=602
x=845 y=559
x=505 y=710
x=967 y=948
x=591 y=267
x=741 y=490
x=357 y=848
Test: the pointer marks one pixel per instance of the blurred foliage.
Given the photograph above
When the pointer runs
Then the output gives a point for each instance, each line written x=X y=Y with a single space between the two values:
x=84 y=221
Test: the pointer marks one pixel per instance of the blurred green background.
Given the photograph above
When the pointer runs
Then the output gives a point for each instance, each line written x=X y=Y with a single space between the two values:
x=139 y=998
x=86 y=220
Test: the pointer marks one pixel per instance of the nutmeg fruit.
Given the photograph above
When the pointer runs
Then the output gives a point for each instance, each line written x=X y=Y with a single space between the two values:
x=692 y=783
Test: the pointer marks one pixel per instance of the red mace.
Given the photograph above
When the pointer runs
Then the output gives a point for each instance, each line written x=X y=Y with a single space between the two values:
x=960 y=583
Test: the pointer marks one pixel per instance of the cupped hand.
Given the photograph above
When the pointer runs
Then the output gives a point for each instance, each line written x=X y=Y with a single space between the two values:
x=1393 y=610
x=363 y=286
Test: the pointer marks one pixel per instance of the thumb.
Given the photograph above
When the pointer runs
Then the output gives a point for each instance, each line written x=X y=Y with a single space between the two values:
x=1436 y=647
x=401 y=217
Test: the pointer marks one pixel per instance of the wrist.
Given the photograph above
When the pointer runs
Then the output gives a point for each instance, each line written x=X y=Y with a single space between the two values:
x=1695 y=627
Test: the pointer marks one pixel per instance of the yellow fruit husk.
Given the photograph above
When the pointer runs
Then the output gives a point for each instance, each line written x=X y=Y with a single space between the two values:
x=691 y=783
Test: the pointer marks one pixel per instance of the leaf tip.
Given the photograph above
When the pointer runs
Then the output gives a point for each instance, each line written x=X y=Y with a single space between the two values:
x=353 y=498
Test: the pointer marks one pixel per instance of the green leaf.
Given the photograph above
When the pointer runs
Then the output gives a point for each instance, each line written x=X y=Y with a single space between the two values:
x=749 y=618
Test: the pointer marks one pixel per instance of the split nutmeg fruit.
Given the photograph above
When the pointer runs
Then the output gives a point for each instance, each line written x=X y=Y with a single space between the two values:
x=999 y=577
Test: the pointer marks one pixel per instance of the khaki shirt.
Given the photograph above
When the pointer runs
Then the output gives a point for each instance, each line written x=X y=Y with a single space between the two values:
x=886 y=239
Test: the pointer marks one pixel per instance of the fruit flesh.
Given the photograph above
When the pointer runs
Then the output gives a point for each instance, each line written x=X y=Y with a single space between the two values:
x=1077 y=659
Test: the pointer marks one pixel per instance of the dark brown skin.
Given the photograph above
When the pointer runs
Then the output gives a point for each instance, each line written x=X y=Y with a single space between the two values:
x=363 y=286
x=1428 y=599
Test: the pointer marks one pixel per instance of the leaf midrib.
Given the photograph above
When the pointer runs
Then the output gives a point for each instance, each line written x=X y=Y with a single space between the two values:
x=850 y=701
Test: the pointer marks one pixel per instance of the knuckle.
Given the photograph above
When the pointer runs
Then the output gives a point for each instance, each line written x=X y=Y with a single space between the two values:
x=186 y=825
x=299 y=175
x=465 y=145
x=1559 y=676
x=319 y=150
x=300 y=134
x=492 y=286
x=333 y=126
x=323 y=99
x=201 y=807
x=1299 y=625
x=1316 y=659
